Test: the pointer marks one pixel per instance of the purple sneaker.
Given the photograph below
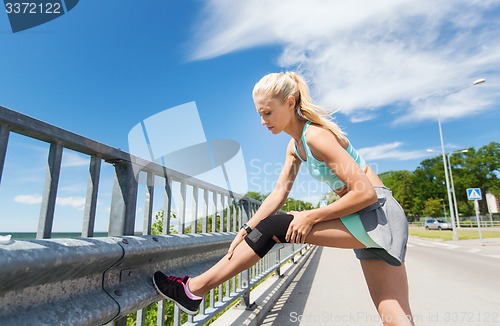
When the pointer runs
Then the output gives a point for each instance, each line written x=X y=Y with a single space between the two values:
x=173 y=288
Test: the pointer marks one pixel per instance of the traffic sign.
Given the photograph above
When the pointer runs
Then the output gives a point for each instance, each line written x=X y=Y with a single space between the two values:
x=474 y=194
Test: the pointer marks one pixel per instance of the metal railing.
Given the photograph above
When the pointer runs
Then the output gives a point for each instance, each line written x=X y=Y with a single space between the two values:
x=467 y=222
x=94 y=281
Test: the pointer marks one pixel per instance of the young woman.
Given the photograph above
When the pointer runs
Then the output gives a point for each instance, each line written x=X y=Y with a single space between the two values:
x=366 y=218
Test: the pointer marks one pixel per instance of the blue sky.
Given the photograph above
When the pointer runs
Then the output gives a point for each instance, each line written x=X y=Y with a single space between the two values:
x=105 y=66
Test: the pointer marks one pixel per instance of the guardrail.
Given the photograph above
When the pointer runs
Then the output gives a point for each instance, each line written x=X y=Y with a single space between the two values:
x=468 y=222
x=93 y=281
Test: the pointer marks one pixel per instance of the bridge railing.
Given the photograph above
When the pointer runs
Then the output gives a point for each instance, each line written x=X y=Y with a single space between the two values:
x=94 y=281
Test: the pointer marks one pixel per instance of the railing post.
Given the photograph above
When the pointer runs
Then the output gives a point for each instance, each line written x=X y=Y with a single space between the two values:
x=91 y=199
x=148 y=204
x=235 y=215
x=168 y=205
x=223 y=213
x=244 y=213
x=278 y=261
x=182 y=208
x=177 y=316
x=160 y=318
x=204 y=227
x=194 y=209
x=227 y=200
x=4 y=140
x=245 y=275
x=123 y=200
x=50 y=191
x=214 y=214
x=140 y=318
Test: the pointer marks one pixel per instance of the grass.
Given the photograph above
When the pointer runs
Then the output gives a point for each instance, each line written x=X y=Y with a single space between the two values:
x=448 y=235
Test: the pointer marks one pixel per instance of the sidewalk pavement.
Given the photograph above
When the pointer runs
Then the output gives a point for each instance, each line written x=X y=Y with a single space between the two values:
x=317 y=294
x=331 y=291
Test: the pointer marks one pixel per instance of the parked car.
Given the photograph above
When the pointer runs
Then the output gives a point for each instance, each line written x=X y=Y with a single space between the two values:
x=437 y=224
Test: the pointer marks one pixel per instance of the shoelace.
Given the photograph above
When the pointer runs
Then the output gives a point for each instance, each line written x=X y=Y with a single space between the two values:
x=175 y=279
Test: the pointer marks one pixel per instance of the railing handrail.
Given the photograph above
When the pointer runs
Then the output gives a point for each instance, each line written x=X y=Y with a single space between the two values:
x=28 y=126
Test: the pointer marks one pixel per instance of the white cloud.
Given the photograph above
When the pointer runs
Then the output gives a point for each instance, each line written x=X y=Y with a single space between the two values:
x=391 y=151
x=72 y=159
x=365 y=55
x=28 y=199
x=75 y=202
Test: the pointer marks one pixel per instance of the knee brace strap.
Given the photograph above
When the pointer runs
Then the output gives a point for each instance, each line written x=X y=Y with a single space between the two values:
x=261 y=238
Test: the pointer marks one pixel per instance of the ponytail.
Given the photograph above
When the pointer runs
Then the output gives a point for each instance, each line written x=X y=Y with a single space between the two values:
x=283 y=85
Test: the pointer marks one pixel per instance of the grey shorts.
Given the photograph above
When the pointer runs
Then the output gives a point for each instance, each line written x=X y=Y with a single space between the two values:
x=388 y=227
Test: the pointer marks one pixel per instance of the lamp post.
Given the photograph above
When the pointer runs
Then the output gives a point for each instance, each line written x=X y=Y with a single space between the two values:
x=452 y=213
x=452 y=189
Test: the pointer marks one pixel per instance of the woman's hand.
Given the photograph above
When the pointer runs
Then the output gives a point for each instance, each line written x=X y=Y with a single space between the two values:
x=299 y=228
x=236 y=241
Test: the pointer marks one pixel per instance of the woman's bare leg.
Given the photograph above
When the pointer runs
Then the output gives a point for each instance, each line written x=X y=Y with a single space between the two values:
x=333 y=233
x=388 y=284
x=330 y=233
x=388 y=287
x=243 y=258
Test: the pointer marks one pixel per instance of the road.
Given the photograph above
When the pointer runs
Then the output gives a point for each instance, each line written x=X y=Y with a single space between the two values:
x=451 y=283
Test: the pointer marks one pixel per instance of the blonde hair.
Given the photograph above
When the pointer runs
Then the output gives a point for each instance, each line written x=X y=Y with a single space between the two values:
x=284 y=84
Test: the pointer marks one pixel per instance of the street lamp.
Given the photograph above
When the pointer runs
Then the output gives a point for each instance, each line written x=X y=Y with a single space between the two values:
x=452 y=213
x=452 y=189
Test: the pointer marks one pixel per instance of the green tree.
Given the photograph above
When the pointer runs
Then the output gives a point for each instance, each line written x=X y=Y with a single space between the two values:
x=429 y=182
x=401 y=184
x=483 y=167
x=255 y=195
x=292 y=204
x=433 y=207
x=157 y=226
x=472 y=169
x=330 y=197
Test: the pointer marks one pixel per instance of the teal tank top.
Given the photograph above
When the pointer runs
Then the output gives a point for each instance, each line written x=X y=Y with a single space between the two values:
x=319 y=170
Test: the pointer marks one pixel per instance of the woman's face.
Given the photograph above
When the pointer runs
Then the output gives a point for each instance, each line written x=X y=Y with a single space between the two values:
x=275 y=114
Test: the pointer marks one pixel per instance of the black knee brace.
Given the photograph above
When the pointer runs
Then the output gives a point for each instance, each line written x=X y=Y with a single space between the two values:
x=261 y=238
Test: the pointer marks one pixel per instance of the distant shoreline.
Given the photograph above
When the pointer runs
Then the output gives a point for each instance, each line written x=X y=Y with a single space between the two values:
x=55 y=235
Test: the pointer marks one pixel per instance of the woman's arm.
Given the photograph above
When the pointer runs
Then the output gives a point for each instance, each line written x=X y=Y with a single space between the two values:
x=326 y=147
x=277 y=197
